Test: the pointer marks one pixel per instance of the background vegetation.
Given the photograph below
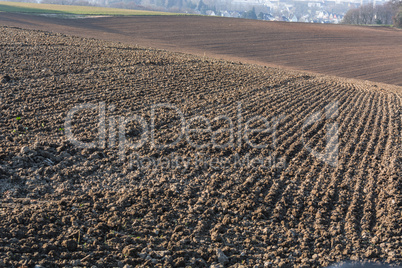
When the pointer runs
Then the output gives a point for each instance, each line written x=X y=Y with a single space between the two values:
x=368 y=14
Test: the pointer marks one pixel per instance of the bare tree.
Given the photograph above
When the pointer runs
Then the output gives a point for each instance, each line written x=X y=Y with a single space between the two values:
x=387 y=13
x=397 y=18
x=384 y=13
x=352 y=16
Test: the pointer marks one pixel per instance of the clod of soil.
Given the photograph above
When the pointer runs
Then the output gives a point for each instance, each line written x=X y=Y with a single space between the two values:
x=6 y=79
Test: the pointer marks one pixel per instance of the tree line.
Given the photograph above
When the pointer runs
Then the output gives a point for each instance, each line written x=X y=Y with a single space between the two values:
x=387 y=14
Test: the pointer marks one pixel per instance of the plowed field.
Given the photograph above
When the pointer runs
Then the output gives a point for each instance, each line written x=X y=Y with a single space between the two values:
x=325 y=186
x=368 y=53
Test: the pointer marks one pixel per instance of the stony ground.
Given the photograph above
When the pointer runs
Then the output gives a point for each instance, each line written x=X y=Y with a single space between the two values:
x=112 y=206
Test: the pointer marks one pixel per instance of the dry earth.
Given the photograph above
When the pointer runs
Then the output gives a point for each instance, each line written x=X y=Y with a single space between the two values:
x=64 y=206
x=368 y=53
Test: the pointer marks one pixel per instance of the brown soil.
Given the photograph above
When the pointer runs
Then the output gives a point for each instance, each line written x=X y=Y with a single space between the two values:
x=368 y=53
x=64 y=206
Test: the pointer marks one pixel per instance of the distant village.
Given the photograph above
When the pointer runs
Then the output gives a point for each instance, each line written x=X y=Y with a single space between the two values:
x=313 y=12
x=310 y=11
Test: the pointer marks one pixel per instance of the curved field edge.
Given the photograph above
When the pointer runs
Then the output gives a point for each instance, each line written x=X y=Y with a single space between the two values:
x=346 y=51
x=62 y=205
x=34 y=8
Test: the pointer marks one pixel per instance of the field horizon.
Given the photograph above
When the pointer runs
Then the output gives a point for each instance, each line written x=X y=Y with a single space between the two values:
x=373 y=52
